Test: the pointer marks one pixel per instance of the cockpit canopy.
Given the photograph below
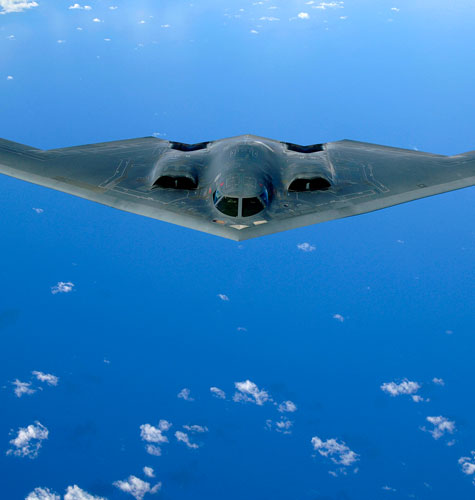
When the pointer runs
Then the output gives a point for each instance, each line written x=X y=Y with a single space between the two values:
x=240 y=206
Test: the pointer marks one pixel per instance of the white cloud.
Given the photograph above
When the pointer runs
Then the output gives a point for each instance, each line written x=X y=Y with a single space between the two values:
x=254 y=32
x=248 y=391
x=136 y=487
x=152 y=434
x=283 y=425
x=338 y=452
x=60 y=41
x=9 y=6
x=42 y=494
x=303 y=15
x=154 y=450
x=28 y=441
x=11 y=37
x=387 y=488
x=269 y=18
x=287 y=406
x=9 y=77
x=76 y=493
x=184 y=438
x=38 y=210
x=165 y=26
x=438 y=381
x=441 y=426
x=405 y=387
x=22 y=388
x=395 y=9
x=113 y=7
x=328 y=5
x=96 y=20
x=195 y=428
x=62 y=287
x=223 y=297
x=185 y=394
x=418 y=399
x=218 y=393
x=149 y=472
x=46 y=377
x=468 y=465
x=339 y=317
x=77 y=6
x=306 y=247
x=72 y=493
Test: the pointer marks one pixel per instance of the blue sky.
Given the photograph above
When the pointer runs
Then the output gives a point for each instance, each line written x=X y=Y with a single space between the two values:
x=145 y=309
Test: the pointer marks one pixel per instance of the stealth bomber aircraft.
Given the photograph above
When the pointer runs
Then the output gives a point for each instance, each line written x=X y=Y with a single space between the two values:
x=241 y=187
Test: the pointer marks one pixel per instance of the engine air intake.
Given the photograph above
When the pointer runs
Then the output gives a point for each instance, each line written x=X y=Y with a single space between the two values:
x=309 y=184
x=175 y=182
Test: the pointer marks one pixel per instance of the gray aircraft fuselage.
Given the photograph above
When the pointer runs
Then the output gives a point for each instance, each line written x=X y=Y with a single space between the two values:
x=241 y=187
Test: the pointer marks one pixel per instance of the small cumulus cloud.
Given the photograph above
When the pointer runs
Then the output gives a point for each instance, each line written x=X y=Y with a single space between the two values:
x=303 y=15
x=9 y=77
x=28 y=441
x=249 y=392
x=11 y=37
x=254 y=32
x=287 y=407
x=72 y=493
x=269 y=18
x=151 y=434
x=185 y=394
x=97 y=20
x=306 y=247
x=283 y=425
x=9 y=6
x=468 y=465
x=184 y=438
x=388 y=488
x=113 y=7
x=153 y=450
x=62 y=287
x=149 y=472
x=77 y=6
x=137 y=487
x=165 y=26
x=38 y=210
x=217 y=393
x=223 y=297
x=339 y=317
x=60 y=41
x=196 y=428
x=76 y=493
x=328 y=5
x=438 y=381
x=395 y=9
x=42 y=494
x=338 y=452
x=441 y=425
x=405 y=387
x=46 y=377
x=22 y=388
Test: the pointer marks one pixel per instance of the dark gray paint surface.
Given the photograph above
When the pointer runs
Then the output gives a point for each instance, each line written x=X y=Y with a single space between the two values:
x=363 y=177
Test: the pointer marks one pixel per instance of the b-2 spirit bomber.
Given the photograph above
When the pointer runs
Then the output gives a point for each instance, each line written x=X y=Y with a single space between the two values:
x=241 y=187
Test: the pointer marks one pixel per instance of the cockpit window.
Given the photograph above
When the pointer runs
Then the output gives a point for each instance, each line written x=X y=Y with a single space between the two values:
x=228 y=206
x=251 y=206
